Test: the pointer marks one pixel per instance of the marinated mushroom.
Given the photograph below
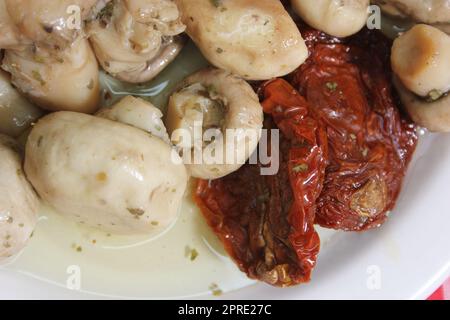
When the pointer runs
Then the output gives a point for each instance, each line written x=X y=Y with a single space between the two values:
x=433 y=115
x=434 y=12
x=18 y=203
x=16 y=112
x=215 y=118
x=105 y=174
x=134 y=40
x=418 y=59
x=138 y=113
x=58 y=79
x=340 y=18
x=55 y=25
x=256 y=40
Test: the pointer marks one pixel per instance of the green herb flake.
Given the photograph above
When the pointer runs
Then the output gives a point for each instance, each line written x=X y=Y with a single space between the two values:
x=300 y=168
x=39 y=141
x=90 y=85
x=219 y=50
x=216 y=3
x=215 y=290
x=37 y=76
x=332 y=86
x=191 y=253
x=365 y=152
x=136 y=212
x=434 y=95
x=154 y=223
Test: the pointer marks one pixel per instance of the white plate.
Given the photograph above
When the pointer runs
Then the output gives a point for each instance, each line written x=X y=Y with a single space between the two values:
x=407 y=258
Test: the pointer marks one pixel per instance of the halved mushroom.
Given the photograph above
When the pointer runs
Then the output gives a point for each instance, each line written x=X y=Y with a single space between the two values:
x=135 y=40
x=340 y=18
x=56 y=79
x=256 y=40
x=138 y=113
x=19 y=204
x=16 y=112
x=215 y=118
x=105 y=174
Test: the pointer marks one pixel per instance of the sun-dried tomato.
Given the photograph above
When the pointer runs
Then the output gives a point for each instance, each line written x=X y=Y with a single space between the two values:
x=347 y=83
x=267 y=222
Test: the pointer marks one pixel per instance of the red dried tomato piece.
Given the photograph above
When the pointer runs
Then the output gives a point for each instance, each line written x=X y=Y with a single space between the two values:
x=266 y=223
x=347 y=83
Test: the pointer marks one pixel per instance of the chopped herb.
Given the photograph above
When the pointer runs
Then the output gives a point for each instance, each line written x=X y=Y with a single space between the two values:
x=158 y=128
x=434 y=95
x=106 y=13
x=90 y=85
x=365 y=152
x=300 y=168
x=154 y=223
x=215 y=289
x=219 y=50
x=136 y=212
x=39 y=59
x=21 y=225
x=216 y=3
x=79 y=249
x=190 y=253
x=332 y=86
x=37 y=76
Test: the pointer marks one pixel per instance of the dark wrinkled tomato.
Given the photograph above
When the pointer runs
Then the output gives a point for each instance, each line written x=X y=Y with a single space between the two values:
x=266 y=222
x=347 y=83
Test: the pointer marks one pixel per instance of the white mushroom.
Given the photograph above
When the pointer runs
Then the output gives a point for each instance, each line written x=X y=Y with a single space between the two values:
x=256 y=40
x=56 y=80
x=340 y=18
x=216 y=103
x=55 y=24
x=421 y=60
x=138 y=113
x=134 y=40
x=19 y=204
x=16 y=112
x=105 y=174
x=433 y=115
x=434 y=12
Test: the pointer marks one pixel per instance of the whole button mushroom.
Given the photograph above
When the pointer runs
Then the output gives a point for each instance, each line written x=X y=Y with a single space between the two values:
x=340 y=18
x=105 y=174
x=420 y=60
x=16 y=112
x=256 y=40
x=134 y=40
x=19 y=204
x=226 y=111
x=56 y=79
x=138 y=113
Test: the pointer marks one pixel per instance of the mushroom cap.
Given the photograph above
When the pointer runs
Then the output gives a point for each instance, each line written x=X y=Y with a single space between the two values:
x=105 y=174
x=19 y=204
